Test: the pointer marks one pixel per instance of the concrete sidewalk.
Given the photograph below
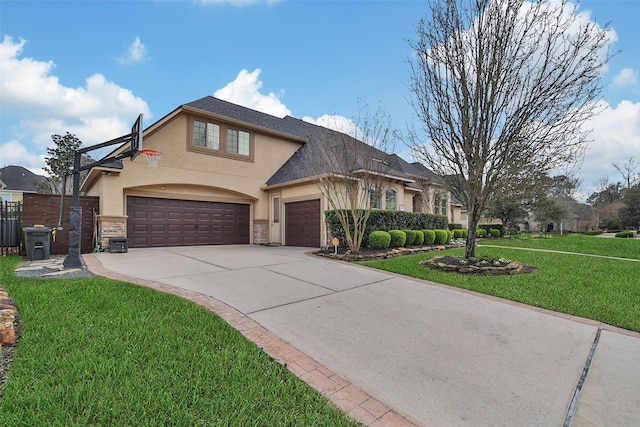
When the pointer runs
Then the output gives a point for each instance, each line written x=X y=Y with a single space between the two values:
x=381 y=346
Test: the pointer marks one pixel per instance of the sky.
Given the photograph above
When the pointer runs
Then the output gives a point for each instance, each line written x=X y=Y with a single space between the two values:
x=90 y=67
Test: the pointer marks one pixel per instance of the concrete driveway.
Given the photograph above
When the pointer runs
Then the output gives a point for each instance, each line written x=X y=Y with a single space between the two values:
x=393 y=350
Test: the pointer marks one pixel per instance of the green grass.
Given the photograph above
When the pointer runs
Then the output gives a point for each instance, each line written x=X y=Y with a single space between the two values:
x=623 y=248
x=605 y=290
x=102 y=352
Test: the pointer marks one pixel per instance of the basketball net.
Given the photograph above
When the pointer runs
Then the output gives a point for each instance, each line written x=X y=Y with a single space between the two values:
x=152 y=157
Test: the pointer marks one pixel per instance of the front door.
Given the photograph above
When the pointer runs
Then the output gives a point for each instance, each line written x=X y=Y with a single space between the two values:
x=274 y=219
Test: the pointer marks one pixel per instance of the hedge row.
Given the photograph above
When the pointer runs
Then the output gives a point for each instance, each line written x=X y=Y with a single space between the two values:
x=398 y=238
x=383 y=220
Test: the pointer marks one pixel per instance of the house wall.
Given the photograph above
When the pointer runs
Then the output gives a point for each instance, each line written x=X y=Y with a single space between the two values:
x=183 y=174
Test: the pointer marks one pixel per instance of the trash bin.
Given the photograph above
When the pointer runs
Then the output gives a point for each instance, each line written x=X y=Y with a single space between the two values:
x=118 y=245
x=37 y=242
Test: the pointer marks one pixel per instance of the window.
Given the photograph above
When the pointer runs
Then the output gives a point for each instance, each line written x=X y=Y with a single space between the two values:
x=218 y=139
x=206 y=135
x=276 y=210
x=375 y=198
x=440 y=204
x=238 y=142
x=390 y=200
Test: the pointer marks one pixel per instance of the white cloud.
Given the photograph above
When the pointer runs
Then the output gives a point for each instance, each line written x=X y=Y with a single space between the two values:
x=136 y=53
x=616 y=138
x=335 y=122
x=625 y=78
x=245 y=91
x=97 y=112
x=15 y=153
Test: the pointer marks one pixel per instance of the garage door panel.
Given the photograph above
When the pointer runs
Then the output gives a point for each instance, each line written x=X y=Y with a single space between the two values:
x=302 y=223
x=166 y=222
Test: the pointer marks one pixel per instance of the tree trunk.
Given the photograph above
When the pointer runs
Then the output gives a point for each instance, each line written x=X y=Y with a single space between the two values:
x=470 y=248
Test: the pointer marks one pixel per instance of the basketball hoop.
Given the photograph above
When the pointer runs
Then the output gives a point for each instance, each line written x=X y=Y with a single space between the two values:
x=152 y=156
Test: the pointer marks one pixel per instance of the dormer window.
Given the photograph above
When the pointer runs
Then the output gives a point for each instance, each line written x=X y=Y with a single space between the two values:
x=206 y=135
x=218 y=139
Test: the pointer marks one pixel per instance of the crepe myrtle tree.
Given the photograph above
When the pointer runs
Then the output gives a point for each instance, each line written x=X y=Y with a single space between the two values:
x=502 y=89
x=350 y=168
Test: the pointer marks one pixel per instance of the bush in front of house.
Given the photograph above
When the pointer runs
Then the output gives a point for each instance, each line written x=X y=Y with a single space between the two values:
x=494 y=232
x=593 y=232
x=429 y=237
x=481 y=232
x=388 y=220
x=457 y=233
x=441 y=237
x=419 y=238
x=449 y=236
x=379 y=240
x=398 y=238
x=465 y=233
x=411 y=237
x=626 y=234
x=487 y=228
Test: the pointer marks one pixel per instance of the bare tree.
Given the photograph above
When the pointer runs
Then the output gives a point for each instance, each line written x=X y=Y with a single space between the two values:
x=628 y=172
x=502 y=89
x=350 y=169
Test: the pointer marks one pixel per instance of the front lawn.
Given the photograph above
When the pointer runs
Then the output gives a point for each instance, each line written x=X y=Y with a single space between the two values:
x=605 y=290
x=623 y=248
x=102 y=352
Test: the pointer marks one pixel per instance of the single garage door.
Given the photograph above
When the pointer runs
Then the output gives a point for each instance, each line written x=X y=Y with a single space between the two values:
x=165 y=222
x=302 y=223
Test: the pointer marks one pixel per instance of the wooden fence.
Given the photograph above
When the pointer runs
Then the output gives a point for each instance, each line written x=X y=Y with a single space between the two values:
x=44 y=209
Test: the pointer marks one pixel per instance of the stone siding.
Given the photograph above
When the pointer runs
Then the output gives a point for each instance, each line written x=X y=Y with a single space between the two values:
x=260 y=232
x=111 y=226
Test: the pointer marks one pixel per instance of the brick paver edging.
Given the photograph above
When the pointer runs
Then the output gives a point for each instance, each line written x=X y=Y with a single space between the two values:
x=345 y=395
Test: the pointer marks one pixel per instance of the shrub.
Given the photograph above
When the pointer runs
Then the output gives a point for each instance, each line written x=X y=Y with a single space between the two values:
x=379 y=240
x=429 y=237
x=449 y=236
x=487 y=228
x=494 y=232
x=441 y=237
x=626 y=234
x=388 y=220
x=419 y=238
x=481 y=232
x=398 y=238
x=457 y=233
x=455 y=226
x=513 y=232
x=411 y=237
x=593 y=232
x=465 y=233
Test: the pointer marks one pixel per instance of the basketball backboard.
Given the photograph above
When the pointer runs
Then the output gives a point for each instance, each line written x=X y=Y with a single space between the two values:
x=136 y=137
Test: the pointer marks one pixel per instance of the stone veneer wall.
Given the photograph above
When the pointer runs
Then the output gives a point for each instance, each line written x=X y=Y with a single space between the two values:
x=260 y=232
x=111 y=226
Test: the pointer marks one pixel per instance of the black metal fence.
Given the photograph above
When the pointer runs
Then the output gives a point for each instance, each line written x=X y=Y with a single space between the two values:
x=10 y=228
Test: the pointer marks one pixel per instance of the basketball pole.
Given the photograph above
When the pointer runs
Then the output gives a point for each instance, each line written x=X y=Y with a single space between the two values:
x=73 y=259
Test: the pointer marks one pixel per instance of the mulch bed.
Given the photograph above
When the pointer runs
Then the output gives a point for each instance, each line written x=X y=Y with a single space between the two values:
x=452 y=264
x=369 y=254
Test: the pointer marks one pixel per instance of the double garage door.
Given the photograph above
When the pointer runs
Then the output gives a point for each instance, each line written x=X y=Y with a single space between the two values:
x=165 y=222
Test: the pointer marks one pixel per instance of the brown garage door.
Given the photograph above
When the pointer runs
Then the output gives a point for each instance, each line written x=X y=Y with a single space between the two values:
x=302 y=223
x=166 y=222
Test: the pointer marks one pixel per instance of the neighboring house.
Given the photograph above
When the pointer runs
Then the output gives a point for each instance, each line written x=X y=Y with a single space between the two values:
x=16 y=180
x=580 y=218
x=232 y=175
